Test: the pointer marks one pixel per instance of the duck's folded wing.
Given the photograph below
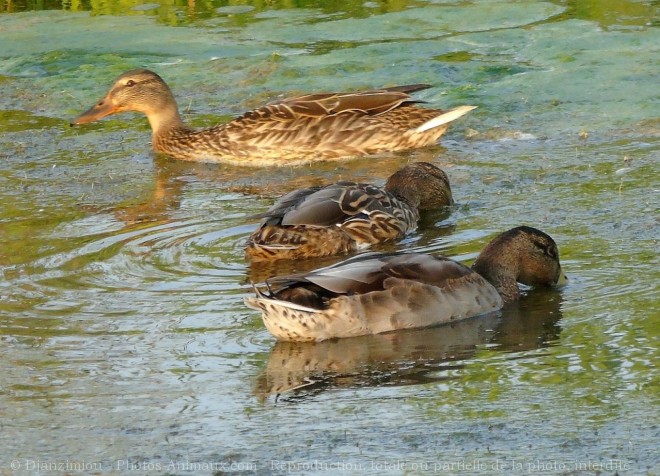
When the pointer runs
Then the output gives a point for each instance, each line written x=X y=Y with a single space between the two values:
x=427 y=269
x=357 y=277
x=335 y=204
x=285 y=203
x=353 y=275
x=367 y=102
x=368 y=272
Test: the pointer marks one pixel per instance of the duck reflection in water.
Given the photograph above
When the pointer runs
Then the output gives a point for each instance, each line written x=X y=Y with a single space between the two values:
x=172 y=179
x=300 y=370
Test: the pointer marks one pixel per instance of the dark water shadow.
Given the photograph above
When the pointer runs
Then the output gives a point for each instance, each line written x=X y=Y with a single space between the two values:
x=298 y=371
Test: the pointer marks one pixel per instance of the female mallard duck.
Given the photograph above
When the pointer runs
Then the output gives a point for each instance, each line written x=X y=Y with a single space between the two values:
x=293 y=131
x=346 y=216
x=374 y=293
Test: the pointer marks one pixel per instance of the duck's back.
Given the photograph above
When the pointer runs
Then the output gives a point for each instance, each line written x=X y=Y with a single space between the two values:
x=373 y=295
x=336 y=219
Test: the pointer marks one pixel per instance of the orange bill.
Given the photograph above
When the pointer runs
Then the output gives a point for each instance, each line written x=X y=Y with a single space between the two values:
x=103 y=108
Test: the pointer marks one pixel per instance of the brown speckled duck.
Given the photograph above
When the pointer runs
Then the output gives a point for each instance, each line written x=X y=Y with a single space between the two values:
x=346 y=216
x=374 y=293
x=297 y=130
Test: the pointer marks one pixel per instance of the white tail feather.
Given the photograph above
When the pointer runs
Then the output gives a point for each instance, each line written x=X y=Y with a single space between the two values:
x=253 y=303
x=444 y=118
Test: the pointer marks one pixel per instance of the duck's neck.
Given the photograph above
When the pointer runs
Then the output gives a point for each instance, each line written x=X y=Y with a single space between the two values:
x=165 y=120
x=498 y=270
x=168 y=130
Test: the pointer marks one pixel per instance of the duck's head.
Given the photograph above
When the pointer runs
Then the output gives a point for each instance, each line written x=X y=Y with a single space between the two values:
x=422 y=185
x=521 y=255
x=139 y=90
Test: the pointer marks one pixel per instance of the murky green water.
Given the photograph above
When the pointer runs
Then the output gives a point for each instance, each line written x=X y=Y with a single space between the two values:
x=125 y=346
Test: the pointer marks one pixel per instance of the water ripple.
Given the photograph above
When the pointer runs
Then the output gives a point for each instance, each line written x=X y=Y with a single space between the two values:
x=184 y=255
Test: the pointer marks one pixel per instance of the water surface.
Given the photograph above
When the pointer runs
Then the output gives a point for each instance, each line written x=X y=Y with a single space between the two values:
x=125 y=343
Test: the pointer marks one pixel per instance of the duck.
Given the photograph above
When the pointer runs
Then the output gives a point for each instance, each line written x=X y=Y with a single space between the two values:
x=347 y=216
x=374 y=293
x=294 y=131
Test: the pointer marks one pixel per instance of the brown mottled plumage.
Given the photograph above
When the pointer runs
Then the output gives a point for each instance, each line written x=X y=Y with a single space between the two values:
x=374 y=293
x=298 y=130
x=345 y=216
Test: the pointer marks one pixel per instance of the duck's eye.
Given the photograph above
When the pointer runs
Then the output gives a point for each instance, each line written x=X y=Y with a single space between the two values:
x=130 y=83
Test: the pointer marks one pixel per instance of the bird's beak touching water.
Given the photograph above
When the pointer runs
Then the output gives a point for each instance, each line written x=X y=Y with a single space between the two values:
x=562 y=280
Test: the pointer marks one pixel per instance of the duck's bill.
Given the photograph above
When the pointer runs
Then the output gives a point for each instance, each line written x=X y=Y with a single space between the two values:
x=563 y=279
x=98 y=111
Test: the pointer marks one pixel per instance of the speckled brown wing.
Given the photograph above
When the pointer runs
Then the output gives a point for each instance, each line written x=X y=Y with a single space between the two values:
x=370 y=103
x=333 y=205
x=355 y=206
x=302 y=224
x=332 y=220
x=325 y=206
x=270 y=243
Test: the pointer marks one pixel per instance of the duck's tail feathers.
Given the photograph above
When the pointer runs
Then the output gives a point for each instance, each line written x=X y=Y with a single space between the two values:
x=445 y=118
x=259 y=304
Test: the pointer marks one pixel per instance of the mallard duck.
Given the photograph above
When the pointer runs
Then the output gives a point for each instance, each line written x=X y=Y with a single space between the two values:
x=297 y=130
x=346 y=216
x=374 y=293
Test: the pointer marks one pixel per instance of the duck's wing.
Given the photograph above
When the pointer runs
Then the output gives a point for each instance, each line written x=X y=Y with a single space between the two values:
x=344 y=277
x=285 y=203
x=371 y=103
x=328 y=206
x=368 y=272
x=313 y=107
x=422 y=268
